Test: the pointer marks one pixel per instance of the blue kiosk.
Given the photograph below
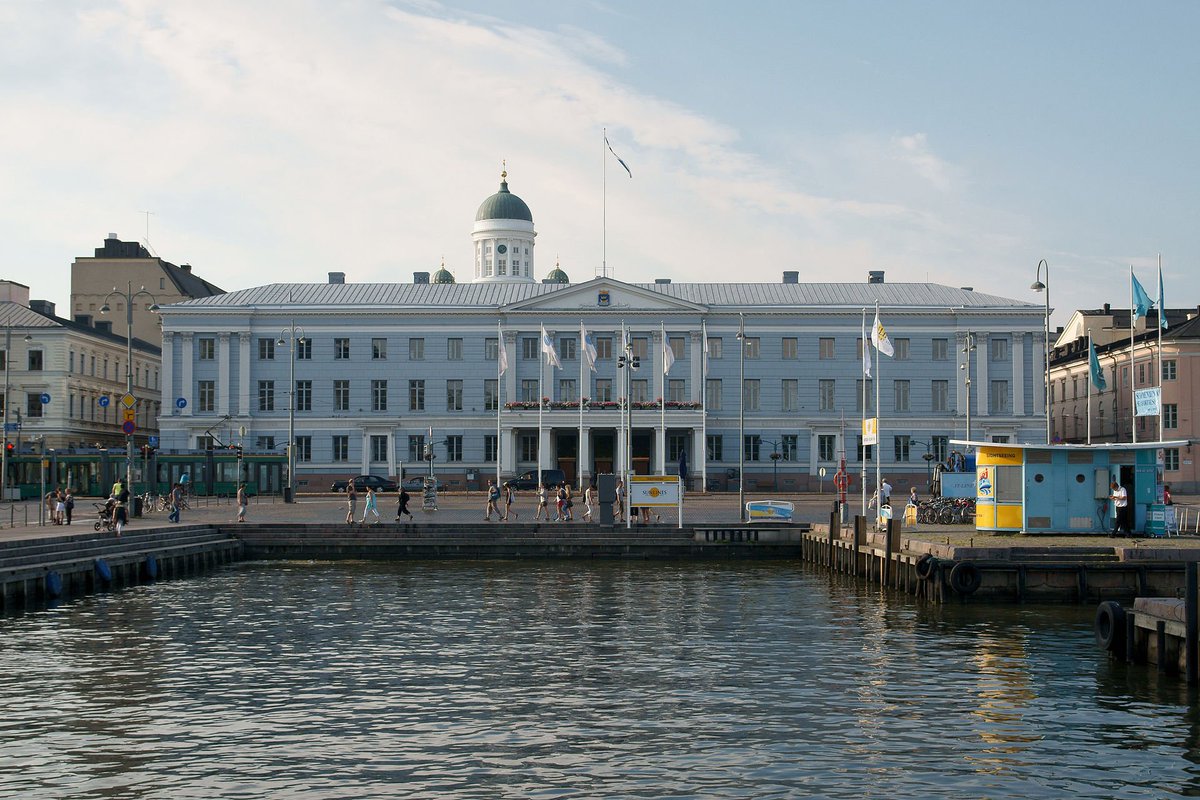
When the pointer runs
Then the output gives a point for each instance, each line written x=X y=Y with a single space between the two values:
x=1064 y=488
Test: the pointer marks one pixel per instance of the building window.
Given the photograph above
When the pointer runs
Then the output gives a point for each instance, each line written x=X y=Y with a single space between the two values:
x=454 y=395
x=789 y=445
x=639 y=346
x=264 y=443
x=1171 y=459
x=341 y=349
x=999 y=349
x=341 y=448
x=304 y=349
x=752 y=444
x=901 y=348
x=416 y=349
x=941 y=447
x=676 y=444
x=529 y=391
x=566 y=390
x=712 y=394
x=999 y=396
x=491 y=395
x=715 y=346
x=489 y=447
x=379 y=349
x=379 y=395
x=341 y=395
x=567 y=348
x=379 y=448
x=862 y=388
x=676 y=345
x=266 y=350
x=206 y=396
x=304 y=395
x=901 y=390
x=825 y=348
x=454 y=448
x=454 y=350
x=266 y=395
x=1170 y=415
x=826 y=447
x=826 y=389
x=491 y=350
x=791 y=348
x=713 y=447
x=639 y=390
x=603 y=348
x=529 y=447
x=865 y=453
x=304 y=448
x=208 y=349
x=941 y=350
x=750 y=394
x=753 y=348
x=529 y=348
x=416 y=448
x=1168 y=370
x=940 y=396
x=603 y=390
x=676 y=390
x=900 y=446
x=416 y=395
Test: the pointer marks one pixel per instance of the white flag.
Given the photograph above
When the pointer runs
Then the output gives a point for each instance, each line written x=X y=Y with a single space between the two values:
x=866 y=358
x=548 y=349
x=880 y=339
x=668 y=356
x=502 y=355
x=589 y=346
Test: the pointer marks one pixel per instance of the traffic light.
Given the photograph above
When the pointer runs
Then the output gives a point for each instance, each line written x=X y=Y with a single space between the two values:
x=8 y=446
x=428 y=452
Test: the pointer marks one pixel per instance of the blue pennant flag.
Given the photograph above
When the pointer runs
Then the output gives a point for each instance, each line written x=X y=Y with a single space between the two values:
x=1162 y=306
x=1096 y=370
x=1141 y=300
x=617 y=157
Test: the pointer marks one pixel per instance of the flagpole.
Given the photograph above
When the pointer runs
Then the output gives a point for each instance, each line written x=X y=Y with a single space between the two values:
x=1132 y=358
x=603 y=204
x=541 y=394
x=1162 y=316
x=499 y=396
x=662 y=400
x=862 y=461
x=1089 y=387
x=878 y=426
x=579 y=396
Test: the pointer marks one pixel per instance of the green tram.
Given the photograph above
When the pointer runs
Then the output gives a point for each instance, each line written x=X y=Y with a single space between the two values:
x=92 y=473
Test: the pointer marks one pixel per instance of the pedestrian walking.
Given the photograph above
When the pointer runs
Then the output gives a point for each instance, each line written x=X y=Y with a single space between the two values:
x=568 y=503
x=242 y=503
x=1120 y=499
x=885 y=493
x=69 y=505
x=589 y=500
x=370 y=507
x=402 y=505
x=619 y=501
x=560 y=500
x=542 y=506
x=60 y=507
x=509 y=496
x=493 y=499
x=176 y=502
x=351 y=501
x=120 y=511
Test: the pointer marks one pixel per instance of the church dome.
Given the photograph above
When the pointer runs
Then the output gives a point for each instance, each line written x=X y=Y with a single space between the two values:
x=504 y=205
x=557 y=275
x=443 y=275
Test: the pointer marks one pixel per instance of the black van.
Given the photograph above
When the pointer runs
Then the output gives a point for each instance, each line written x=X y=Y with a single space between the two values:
x=528 y=482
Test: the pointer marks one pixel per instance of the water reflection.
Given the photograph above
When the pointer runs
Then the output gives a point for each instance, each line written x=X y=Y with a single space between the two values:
x=560 y=679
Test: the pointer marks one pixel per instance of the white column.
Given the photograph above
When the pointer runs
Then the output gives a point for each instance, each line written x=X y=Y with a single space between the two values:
x=243 y=374
x=224 y=377
x=366 y=454
x=1038 y=379
x=1018 y=378
x=544 y=452
x=168 y=373
x=187 y=358
x=510 y=374
x=584 y=461
x=983 y=391
x=508 y=456
x=697 y=353
x=697 y=457
x=660 y=446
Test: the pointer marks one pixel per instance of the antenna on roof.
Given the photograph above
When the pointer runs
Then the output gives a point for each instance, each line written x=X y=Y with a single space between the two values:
x=146 y=241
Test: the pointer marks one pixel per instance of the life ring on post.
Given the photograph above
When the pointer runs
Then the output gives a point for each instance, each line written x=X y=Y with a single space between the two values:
x=926 y=566
x=965 y=578
x=1110 y=627
x=841 y=481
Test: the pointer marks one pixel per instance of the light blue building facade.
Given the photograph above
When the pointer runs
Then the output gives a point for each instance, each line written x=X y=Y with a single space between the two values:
x=364 y=373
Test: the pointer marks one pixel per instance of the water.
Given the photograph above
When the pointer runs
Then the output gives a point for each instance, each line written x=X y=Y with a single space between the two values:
x=573 y=679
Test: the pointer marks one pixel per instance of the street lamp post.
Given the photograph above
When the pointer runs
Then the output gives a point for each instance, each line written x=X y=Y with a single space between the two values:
x=291 y=336
x=7 y=360
x=1038 y=286
x=741 y=340
x=968 y=348
x=129 y=295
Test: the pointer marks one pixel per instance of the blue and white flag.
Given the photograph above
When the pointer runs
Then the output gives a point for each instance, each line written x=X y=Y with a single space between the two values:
x=588 y=341
x=502 y=355
x=1141 y=301
x=548 y=349
x=617 y=157
x=668 y=356
x=1162 y=306
x=1097 y=372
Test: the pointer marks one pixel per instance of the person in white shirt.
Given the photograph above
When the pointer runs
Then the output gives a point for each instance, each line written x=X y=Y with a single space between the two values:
x=1120 y=499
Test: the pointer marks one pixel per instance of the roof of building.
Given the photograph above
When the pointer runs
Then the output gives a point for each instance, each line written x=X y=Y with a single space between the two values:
x=23 y=319
x=495 y=295
x=504 y=205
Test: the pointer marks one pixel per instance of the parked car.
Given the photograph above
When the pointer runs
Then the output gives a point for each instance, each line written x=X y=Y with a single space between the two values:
x=363 y=482
x=528 y=482
x=416 y=483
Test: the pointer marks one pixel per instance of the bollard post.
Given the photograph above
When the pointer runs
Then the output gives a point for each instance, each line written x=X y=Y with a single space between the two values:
x=1192 y=624
x=834 y=532
x=860 y=539
x=886 y=572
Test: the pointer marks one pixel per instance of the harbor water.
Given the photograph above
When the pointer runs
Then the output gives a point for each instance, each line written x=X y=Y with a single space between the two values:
x=564 y=679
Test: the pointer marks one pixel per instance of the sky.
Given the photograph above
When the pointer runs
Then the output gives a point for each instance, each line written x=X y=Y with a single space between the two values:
x=279 y=140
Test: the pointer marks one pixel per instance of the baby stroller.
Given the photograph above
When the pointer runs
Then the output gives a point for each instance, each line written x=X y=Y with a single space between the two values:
x=104 y=516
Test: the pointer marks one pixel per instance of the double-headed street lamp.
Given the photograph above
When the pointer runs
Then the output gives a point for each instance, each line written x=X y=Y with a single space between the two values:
x=129 y=296
x=1038 y=286
x=968 y=348
x=7 y=360
x=293 y=336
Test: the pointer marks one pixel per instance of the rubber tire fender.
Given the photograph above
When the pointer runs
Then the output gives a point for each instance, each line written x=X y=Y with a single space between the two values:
x=1110 y=627
x=965 y=578
x=926 y=567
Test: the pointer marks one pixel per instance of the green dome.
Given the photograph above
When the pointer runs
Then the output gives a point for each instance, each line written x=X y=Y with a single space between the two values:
x=443 y=276
x=557 y=276
x=504 y=205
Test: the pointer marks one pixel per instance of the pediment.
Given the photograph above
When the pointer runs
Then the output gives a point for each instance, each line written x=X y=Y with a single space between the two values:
x=604 y=294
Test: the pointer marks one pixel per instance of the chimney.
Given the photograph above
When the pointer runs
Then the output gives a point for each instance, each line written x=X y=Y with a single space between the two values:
x=186 y=267
x=337 y=277
x=791 y=276
x=104 y=326
x=662 y=281
x=875 y=276
x=420 y=277
x=84 y=319
x=1107 y=308
x=43 y=307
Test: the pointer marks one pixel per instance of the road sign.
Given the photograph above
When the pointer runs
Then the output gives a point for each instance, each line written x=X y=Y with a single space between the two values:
x=45 y=398
x=128 y=415
x=128 y=400
x=180 y=402
x=129 y=427
x=11 y=426
x=103 y=401
x=821 y=472
x=152 y=441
